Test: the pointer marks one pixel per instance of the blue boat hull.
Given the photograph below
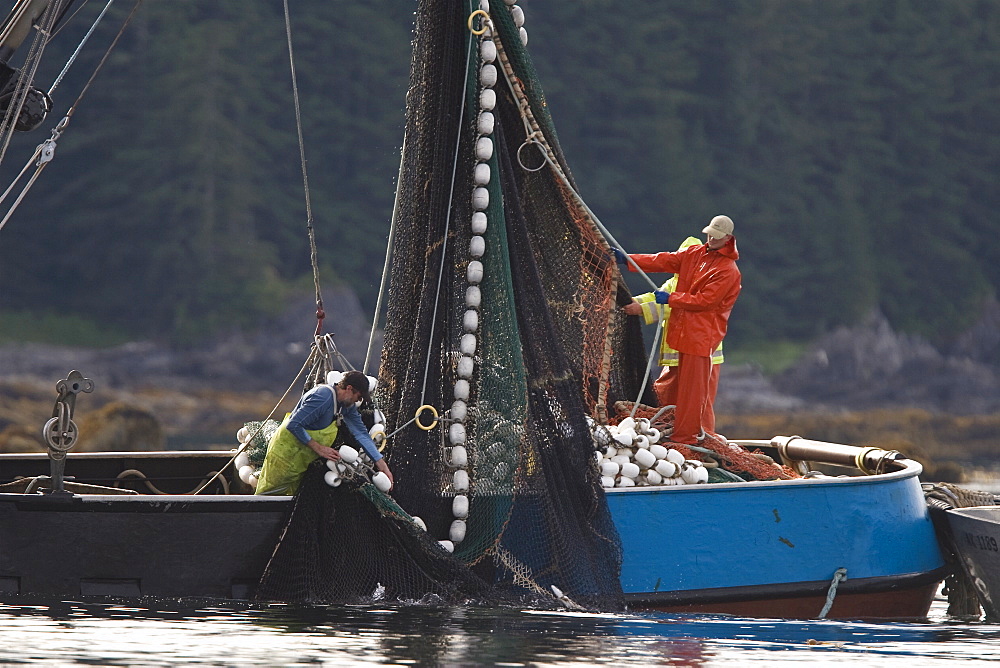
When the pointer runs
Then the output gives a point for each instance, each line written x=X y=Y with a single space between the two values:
x=773 y=548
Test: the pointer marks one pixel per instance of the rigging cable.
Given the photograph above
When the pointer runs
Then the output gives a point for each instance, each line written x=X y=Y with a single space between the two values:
x=447 y=225
x=45 y=151
x=23 y=86
x=320 y=314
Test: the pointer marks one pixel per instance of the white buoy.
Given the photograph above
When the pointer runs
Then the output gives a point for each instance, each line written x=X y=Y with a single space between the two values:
x=484 y=149
x=654 y=435
x=460 y=506
x=457 y=531
x=377 y=433
x=459 y=457
x=485 y=127
x=382 y=481
x=241 y=460
x=474 y=274
x=470 y=320
x=378 y=416
x=642 y=441
x=653 y=478
x=459 y=410
x=254 y=477
x=627 y=423
x=447 y=545
x=419 y=522
x=609 y=468
x=517 y=14
x=456 y=433
x=623 y=439
x=477 y=246
x=666 y=468
x=481 y=173
x=334 y=377
x=332 y=479
x=488 y=76
x=689 y=474
x=488 y=49
x=243 y=435
x=467 y=344
x=701 y=475
x=334 y=466
x=487 y=101
x=480 y=198
x=245 y=472
x=625 y=482
x=607 y=481
x=642 y=426
x=479 y=223
x=658 y=451
x=674 y=457
x=524 y=35
x=461 y=390
x=460 y=481
x=645 y=458
x=621 y=459
x=466 y=366
x=610 y=452
x=630 y=470
x=348 y=454
x=601 y=436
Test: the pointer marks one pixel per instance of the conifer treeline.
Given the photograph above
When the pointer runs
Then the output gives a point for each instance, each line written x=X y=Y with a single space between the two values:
x=855 y=142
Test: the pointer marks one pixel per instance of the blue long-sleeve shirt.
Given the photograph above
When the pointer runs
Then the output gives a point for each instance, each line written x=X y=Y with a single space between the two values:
x=318 y=408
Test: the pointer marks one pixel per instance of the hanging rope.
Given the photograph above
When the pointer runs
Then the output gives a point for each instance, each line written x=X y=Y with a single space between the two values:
x=79 y=47
x=447 y=226
x=320 y=313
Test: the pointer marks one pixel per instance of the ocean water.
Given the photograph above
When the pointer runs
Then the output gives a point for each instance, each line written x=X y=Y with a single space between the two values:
x=165 y=633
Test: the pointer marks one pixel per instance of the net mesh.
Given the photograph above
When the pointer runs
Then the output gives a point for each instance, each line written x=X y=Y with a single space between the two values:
x=507 y=477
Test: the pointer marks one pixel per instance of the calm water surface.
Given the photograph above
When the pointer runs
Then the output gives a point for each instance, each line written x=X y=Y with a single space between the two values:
x=55 y=633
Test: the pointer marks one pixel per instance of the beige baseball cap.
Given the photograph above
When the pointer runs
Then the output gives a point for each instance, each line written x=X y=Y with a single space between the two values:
x=719 y=227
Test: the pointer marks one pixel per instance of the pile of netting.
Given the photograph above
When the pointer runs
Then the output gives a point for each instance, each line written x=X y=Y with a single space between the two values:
x=502 y=336
x=726 y=462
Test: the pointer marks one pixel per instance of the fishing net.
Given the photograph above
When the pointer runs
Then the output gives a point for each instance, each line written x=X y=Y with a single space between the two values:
x=502 y=320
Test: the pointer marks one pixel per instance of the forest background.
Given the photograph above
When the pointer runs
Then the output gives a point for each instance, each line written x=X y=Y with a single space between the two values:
x=854 y=142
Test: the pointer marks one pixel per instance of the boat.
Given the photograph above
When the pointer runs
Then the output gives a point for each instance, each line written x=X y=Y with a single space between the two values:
x=506 y=367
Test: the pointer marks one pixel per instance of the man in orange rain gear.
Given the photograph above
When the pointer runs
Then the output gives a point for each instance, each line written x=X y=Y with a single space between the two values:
x=708 y=283
x=665 y=386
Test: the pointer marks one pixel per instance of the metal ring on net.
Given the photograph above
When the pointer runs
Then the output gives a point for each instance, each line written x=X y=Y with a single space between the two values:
x=416 y=417
x=472 y=17
x=527 y=141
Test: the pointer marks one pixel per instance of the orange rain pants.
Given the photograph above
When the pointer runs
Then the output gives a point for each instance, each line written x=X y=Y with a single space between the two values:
x=691 y=386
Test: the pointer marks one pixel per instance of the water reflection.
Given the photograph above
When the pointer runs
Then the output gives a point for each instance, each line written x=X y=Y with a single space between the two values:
x=175 y=632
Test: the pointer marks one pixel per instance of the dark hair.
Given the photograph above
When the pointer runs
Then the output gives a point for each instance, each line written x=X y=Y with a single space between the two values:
x=359 y=382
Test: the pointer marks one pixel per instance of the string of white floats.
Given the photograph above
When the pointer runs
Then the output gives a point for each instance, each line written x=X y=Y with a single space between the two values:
x=629 y=454
x=457 y=456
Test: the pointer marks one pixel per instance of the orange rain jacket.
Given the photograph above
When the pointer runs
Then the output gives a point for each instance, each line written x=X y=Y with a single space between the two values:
x=708 y=284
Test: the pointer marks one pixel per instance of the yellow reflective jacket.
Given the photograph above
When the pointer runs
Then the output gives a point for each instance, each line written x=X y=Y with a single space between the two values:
x=651 y=311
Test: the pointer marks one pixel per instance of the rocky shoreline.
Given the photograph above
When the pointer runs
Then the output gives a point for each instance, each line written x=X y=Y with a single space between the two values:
x=212 y=390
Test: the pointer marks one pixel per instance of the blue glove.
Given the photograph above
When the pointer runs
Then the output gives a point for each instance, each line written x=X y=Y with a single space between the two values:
x=662 y=296
x=620 y=257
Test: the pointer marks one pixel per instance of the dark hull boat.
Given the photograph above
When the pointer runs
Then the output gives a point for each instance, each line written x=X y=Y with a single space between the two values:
x=116 y=536
x=975 y=539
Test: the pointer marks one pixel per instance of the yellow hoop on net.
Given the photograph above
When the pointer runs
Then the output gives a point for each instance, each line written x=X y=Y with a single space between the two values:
x=427 y=407
x=472 y=17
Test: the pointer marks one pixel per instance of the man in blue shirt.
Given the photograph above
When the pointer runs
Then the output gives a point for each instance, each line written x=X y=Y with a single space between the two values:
x=308 y=432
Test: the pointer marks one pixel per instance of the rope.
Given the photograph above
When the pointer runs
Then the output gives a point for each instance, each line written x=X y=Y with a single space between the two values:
x=34 y=57
x=447 y=226
x=649 y=365
x=320 y=313
x=388 y=257
x=45 y=151
x=838 y=576
x=536 y=136
x=79 y=47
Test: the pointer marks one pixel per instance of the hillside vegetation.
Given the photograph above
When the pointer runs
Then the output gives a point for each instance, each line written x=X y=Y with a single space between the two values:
x=854 y=142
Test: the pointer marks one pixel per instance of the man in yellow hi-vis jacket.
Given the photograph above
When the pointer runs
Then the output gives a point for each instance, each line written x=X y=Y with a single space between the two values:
x=665 y=386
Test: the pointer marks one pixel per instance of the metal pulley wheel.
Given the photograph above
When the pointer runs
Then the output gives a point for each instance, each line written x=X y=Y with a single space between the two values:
x=60 y=433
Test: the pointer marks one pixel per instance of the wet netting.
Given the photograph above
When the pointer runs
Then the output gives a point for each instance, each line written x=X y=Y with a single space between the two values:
x=502 y=338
